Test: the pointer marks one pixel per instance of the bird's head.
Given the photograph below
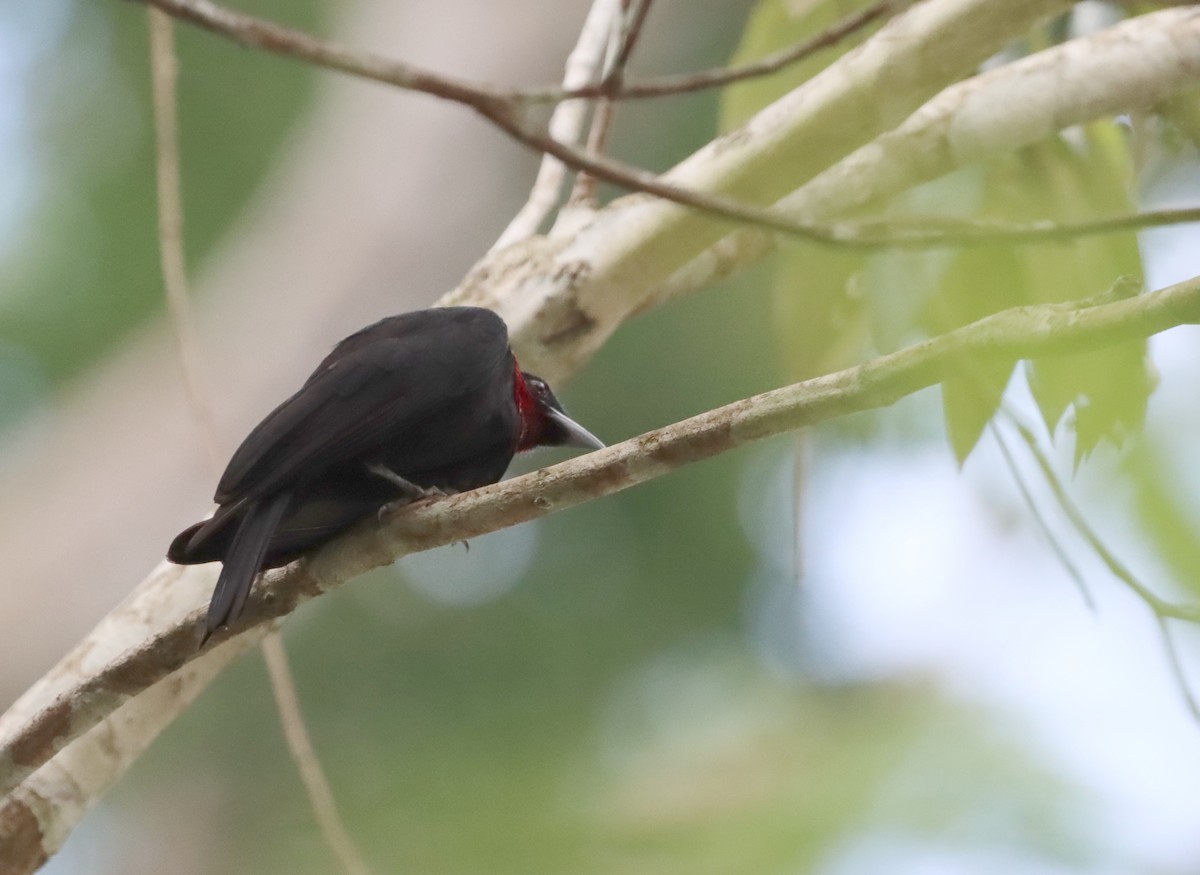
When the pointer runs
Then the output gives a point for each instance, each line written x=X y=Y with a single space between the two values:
x=543 y=421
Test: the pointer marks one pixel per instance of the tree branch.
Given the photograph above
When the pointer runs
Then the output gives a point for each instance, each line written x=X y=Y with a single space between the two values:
x=504 y=109
x=1136 y=63
x=1018 y=333
x=37 y=817
x=580 y=83
x=277 y=39
x=562 y=301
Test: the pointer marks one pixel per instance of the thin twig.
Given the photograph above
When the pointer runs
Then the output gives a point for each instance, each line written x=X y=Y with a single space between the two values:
x=1177 y=671
x=621 y=45
x=504 y=110
x=1156 y=603
x=1056 y=545
x=583 y=66
x=163 y=73
x=683 y=83
x=304 y=757
x=927 y=229
x=1160 y=618
x=583 y=192
x=636 y=12
x=1162 y=609
x=316 y=785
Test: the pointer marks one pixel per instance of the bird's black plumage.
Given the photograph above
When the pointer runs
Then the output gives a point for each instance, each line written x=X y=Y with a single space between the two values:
x=433 y=398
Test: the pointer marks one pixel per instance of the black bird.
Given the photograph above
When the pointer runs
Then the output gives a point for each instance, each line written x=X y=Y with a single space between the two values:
x=419 y=404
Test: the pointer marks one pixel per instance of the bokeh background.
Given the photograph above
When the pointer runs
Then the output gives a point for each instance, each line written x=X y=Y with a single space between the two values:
x=841 y=653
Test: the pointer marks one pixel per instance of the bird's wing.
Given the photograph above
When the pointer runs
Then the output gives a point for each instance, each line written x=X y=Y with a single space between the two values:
x=375 y=385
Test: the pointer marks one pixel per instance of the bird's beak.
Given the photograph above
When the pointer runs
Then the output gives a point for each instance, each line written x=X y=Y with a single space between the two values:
x=576 y=434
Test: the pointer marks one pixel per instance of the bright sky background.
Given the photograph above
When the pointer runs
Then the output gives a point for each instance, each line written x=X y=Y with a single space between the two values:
x=896 y=585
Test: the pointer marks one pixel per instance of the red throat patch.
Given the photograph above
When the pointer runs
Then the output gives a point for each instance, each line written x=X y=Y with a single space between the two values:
x=527 y=408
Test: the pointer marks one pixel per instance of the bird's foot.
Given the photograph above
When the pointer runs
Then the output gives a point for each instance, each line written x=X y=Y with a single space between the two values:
x=393 y=507
x=409 y=491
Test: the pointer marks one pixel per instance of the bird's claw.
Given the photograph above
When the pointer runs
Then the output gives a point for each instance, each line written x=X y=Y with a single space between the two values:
x=409 y=491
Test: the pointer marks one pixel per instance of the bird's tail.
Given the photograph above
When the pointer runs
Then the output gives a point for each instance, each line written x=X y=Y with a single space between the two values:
x=243 y=560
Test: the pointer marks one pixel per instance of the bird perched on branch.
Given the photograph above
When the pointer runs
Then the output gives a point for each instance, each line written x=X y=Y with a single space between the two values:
x=421 y=404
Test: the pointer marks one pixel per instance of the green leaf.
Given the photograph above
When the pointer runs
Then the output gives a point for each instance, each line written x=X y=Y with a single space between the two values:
x=1080 y=174
x=817 y=313
x=974 y=283
x=970 y=401
x=1108 y=389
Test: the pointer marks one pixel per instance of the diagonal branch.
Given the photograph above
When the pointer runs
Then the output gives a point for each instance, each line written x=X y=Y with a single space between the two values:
x=501 y=107
x=1018 y=333
x=504 y=109
x=1137 y=63
x=270 y=37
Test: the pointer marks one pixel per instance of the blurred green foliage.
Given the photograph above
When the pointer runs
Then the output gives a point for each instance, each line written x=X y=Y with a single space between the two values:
x=84 y=268
x=1068 y=178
